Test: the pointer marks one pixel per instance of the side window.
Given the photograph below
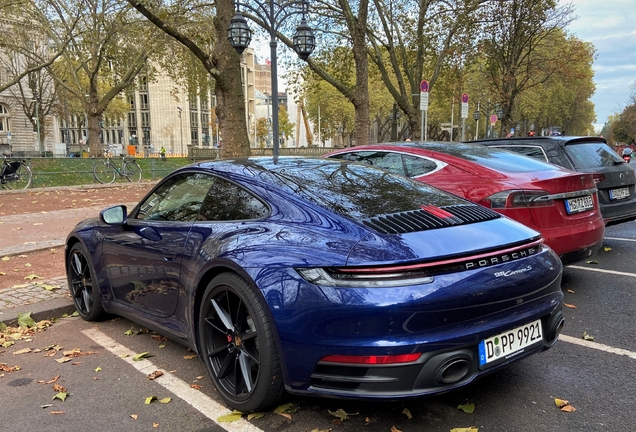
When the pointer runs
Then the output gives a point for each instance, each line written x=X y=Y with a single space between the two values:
x=417 y=166
x=532 y=151
x=178 y=200
x=385 y=160
x=226 y=201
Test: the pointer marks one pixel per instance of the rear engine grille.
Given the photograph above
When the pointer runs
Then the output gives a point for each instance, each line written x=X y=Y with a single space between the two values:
x=429 y=217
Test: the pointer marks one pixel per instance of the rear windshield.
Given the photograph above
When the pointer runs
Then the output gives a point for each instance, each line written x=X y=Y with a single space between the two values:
x=592 y=155
x=495 y=158
x=355 y=190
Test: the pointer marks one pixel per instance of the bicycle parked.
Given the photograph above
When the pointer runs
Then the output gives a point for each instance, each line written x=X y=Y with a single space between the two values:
x=106 y=171
x=15 y=174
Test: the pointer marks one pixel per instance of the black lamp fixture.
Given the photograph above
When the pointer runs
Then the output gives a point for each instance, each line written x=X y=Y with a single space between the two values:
x=272 y=14
x=239 y=33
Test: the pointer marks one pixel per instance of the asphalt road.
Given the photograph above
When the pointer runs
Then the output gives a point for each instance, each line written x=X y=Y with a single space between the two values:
x=596 y=377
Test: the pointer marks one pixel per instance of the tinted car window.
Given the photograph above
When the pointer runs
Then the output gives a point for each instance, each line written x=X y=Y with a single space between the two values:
x=354 y=190
x=178 y=199
x=494 y=158
x=417 y=166
x=227 y=201
x=380 y=159
x=535 y=152
x=592 y=155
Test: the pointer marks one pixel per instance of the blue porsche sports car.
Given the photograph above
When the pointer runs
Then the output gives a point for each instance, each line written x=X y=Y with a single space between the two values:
x=320 y=277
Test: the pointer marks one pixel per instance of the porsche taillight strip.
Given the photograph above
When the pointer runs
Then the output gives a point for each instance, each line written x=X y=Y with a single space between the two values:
x=442 y=263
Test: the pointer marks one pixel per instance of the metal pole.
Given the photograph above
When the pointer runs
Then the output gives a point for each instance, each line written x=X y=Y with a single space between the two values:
x=463 y=128
x=37 y=122
x=269 y=120
x=274 y=74
x=452 y=119
x=426 y=125
x=319 y=123
x=422 y=128
x=477 y=127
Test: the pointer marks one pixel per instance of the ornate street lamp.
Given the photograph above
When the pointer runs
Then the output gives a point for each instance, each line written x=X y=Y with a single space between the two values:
x=272 y=14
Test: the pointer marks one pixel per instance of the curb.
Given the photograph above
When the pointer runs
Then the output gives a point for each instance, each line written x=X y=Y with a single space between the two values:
x=44 y=310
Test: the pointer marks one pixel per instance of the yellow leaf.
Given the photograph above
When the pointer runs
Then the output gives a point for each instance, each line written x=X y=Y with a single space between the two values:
x=232 y=417
x=165 y=400
x=560 y=402
x=255 y=415
x=38 y=223
x=155 y=425
x=22 y=256
x=587 y=336
x=21 y=286
x=467 y=408
x=5 y=258
x=149 y=399
x=468 y=429
x=571 y=306
x=3 y=274
x=32 y=276
x=22 y=351
x=341 y=414
x=592 y=262
x=407 y=413
x=98 y=369
x=61 y=396
x=607 y=249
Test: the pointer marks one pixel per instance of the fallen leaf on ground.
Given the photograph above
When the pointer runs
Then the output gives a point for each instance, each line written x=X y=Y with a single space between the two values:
x=134 y=416
x=142 y=356
x=564 y=405
x=59 y=388
x=467 y=429
x=571 y=291
x=61 y=396
x=231 y=417
x=57 y=412
x=22 y=351
x=98 y=369
x=592 y=262
x=407 y=413
x=587 y=336
x=190 y=356
x=155 y=374
x=467 y=408
x=196 y=386
x=149 y=399
x=255 y=415
x=394 y=429
x=571 y=306
x=607 y=249
x=32 y=276
x=341 y=414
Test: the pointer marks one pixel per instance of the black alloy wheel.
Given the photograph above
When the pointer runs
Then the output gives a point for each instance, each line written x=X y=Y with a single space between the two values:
x=83 y=284
x=237 y=345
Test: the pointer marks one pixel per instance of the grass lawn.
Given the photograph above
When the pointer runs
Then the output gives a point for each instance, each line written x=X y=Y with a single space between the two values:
x=48 y=172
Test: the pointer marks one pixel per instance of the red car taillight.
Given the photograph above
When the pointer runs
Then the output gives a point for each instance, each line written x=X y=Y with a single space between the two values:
x=385 y=359
x=518 y=199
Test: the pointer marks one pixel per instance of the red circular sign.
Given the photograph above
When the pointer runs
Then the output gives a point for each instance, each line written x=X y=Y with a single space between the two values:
x=465 y=98
x=493 y=118
x=424 y=86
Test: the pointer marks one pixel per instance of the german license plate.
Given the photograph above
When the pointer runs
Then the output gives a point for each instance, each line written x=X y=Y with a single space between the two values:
x=616 y=194
x=577 y=205
x=511 y=343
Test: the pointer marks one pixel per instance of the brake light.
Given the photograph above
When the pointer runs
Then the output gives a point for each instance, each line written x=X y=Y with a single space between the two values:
x=518 y=199
x=598 y=177
x=383 y=360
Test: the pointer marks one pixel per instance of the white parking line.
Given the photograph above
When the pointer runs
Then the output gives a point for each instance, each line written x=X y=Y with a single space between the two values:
x=603 y=271
x=597 y=346
x=199 y=401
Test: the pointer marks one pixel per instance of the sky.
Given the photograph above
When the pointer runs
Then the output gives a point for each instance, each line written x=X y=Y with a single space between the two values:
x=611 y=26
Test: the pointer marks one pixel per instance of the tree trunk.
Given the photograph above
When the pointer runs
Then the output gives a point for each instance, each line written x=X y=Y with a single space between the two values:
x=229 y=88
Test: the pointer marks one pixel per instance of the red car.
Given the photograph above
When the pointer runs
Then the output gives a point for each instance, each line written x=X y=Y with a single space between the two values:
x=561 y=204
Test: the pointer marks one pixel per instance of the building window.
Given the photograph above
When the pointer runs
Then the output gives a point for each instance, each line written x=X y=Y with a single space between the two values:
x=145 y=119
x=143 y=84
x=4 y=119
x=194 y=120
x=143 y=101
x=194 y=137
x=132 y=120
x=131 y=101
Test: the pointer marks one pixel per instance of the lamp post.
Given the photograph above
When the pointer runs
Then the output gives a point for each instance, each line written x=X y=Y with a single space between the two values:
x=180 y=128
x=273 y=14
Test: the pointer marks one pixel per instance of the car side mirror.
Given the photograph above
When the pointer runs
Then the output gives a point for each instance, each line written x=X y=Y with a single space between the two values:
x=114 y=215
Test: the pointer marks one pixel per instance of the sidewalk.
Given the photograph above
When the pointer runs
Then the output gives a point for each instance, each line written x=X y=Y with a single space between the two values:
x=31 y=232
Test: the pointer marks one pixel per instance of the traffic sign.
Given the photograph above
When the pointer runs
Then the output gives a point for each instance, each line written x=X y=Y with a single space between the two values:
x=424 y=86
x=464 y=109
x=423 y=101
x=465 y=98
x=493 y=119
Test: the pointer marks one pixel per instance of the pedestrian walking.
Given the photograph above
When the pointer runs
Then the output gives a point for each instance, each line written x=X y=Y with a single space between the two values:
x=162 y=152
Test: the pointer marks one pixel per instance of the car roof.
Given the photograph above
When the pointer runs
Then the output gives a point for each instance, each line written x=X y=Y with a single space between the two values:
x=562 y=140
